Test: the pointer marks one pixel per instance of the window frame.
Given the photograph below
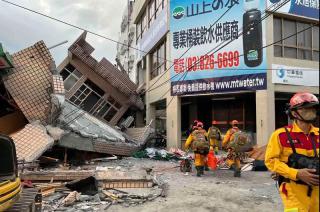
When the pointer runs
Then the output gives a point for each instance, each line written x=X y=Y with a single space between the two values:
x=298 y=48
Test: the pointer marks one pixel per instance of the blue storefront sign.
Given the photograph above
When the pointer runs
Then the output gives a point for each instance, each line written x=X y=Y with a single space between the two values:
x=305 y=8
x=220 y=58
x=156 y=31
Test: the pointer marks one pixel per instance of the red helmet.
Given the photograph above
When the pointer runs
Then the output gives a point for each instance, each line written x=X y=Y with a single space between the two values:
x=234 y=122
x=301 y=100
x=200 y=124
x=214 y=122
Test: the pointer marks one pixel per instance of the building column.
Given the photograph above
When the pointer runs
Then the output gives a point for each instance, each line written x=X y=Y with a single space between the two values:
x=265 y=116
x=174 y=122
x=150 y=109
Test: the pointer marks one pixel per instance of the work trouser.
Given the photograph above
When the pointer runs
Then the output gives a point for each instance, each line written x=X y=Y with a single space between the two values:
x=233 y=159
x=295 y=197
x=200 y=160
x=214 y=144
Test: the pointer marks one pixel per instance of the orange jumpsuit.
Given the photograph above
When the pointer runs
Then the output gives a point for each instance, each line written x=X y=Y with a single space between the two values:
x=294 y=196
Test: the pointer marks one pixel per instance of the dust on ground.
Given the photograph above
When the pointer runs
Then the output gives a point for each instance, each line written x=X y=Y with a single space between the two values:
x=216 y=191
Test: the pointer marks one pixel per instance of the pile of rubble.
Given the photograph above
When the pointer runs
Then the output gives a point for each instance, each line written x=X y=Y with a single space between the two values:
x=35 y=88
x=95 y=187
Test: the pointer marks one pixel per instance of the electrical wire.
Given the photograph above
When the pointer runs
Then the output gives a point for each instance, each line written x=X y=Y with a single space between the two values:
x=163 y=83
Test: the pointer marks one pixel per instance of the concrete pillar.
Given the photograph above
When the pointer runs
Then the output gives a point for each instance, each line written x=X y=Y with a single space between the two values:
x=139 y=122
x=150 y=109
x=174 y=122
x=265 y=118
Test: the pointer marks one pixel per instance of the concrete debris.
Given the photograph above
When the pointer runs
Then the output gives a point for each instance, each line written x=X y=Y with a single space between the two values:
x=29 y=80
x=55 y=132
x=79 y=197
x=71 y=198
x=31 y=142
x=55 y=175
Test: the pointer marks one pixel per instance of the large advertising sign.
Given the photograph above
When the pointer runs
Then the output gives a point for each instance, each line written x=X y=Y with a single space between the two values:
x=220 y=58
x=295 y=76
x=306 y=8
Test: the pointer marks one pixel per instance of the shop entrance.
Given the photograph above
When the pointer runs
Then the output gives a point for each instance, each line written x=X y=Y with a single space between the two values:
x=223 y=108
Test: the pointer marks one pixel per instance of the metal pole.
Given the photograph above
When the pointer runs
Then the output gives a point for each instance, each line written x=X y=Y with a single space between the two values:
x=59 y=44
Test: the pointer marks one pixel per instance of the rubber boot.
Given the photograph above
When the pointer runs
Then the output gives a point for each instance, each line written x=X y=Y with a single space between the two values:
x=216 y=150
x=237 y=172
x=232 y=167
x=198 y=168
x=202 y=170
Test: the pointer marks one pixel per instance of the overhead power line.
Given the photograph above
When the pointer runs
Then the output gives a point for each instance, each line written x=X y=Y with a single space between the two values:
x=81 y=28
x=240 y=34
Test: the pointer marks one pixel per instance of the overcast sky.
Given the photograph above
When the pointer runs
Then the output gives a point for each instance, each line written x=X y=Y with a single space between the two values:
x=20 y=28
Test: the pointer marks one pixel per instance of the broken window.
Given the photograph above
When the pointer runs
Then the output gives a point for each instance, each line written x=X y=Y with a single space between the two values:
x=106 y=109
x=70 y=76
x=87 y=96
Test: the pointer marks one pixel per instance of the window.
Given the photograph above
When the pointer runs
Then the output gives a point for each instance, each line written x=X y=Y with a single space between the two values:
x=107 y=109
x=158 y=60
x=143 y=24
x=304 y=45
x=87 y=96
x=70 y=76
x=159 y=7
x=151 y=12
x=138 y=30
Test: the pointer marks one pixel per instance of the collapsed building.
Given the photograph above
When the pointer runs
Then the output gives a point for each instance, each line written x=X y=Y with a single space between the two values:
x=78 y=109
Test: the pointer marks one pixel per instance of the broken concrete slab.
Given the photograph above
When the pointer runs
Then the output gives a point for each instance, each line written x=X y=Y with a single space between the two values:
x=56 y=175
x=123 y=179
x=31 y=142
x=87 y=133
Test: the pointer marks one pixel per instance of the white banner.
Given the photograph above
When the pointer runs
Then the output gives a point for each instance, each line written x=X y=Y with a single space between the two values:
x=295 y=75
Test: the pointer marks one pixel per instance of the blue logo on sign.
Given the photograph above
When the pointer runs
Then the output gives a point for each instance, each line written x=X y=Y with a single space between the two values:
x=280 y=73
x=274 y=1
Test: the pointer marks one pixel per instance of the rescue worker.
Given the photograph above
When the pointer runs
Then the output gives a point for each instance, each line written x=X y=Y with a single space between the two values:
x=197 y=140
x=298 y=188
x=214 y=135
x=233 y=158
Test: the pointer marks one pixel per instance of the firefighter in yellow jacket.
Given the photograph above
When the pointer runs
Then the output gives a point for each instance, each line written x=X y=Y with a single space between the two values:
x=197 y=140
x=214 y=135
x=299 y=187
x=233 y=158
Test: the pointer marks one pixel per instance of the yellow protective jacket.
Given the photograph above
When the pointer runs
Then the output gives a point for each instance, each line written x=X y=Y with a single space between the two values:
x=191 y=138
x=229 y=136
x=279 y=149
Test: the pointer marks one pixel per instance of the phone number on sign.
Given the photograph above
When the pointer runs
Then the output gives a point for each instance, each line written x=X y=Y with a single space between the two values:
x=207 y=62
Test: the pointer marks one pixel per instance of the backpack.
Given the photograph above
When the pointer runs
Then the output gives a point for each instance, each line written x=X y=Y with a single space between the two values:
x=200 y=144
x=241 y=142
x=214 y=133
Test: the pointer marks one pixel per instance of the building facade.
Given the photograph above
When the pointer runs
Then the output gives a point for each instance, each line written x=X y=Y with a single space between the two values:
x=199 y=63
x=99 y=88
x=125 y=55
